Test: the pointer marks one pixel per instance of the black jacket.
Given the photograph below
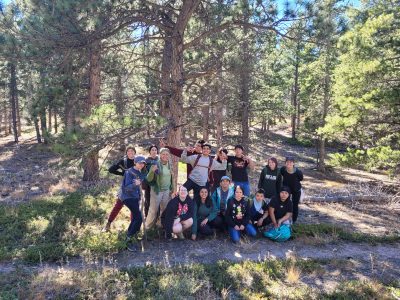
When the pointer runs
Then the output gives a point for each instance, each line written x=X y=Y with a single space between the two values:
x=171 y=212
x=237 y=212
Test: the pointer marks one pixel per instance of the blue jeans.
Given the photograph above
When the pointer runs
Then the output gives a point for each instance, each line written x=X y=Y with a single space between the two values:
x=136 y=222
x=245 y=185
x=235 y=234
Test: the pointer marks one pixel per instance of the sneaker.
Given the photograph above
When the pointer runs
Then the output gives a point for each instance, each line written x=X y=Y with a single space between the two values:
x=132 y=247
x=168 y=237
x=107 y=227
x=181 y=236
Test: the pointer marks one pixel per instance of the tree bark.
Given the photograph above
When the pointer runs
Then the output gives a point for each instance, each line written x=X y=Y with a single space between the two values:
x=119 y=102
x=327 y=86
x=244 y=95
x=37 y=129
x=205 y=111
x=295 y=92
x=91 y=160
x=172 y=73
x=43 y=125
x=13 y=99
x=55 y=122
x=50 y=120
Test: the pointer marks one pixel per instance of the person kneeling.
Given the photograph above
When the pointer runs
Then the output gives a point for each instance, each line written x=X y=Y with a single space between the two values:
x=178 y=215
x=238 y=216
x=259 y=210
x=204 y=212
x=280 y=212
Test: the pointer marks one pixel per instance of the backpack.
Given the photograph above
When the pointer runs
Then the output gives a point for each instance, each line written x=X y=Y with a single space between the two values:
x=209 y=166
x=281 y=234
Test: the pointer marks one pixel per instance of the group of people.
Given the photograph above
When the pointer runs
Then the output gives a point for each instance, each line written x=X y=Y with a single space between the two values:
x=219 y=202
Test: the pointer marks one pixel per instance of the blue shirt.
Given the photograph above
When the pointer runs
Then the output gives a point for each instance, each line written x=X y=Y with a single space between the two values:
x=129 y=190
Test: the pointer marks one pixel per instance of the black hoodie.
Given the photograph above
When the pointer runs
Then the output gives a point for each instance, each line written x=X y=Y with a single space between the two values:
x=176 y=209
x=270 y=181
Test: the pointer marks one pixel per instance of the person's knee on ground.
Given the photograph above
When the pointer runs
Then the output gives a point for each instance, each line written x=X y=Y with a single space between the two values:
x=251 y=230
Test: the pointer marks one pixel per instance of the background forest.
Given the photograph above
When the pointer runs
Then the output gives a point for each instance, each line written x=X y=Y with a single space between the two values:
x=86 y=74
x=318 y=80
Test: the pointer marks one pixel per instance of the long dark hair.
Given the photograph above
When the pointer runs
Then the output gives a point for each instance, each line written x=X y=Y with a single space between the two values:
x=234 y=191
x=208 y=202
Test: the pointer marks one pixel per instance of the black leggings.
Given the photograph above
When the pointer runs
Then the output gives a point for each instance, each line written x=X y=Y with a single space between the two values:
x=205 y=230
x=218 y=223
x=295 y=201
x=191 y=185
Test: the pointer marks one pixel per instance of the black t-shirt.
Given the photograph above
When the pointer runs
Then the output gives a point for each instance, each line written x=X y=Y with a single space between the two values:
x=281 y=207
x=239 y=169
x=292 y=180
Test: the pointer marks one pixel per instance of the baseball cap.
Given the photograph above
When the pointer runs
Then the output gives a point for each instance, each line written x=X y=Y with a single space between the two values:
x=140 y=159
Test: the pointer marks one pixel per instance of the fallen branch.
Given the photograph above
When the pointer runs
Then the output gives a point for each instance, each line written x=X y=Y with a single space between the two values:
x=309 y=199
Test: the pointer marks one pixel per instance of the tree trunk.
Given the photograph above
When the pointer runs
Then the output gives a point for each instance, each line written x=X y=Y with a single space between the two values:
x=219 y=107
x=18 y=116
x=298 y=114
x=205 y=111
x=55 y=122
x=50 y=120
x=37 y=129
x=321 y=158
x=90 y=161
x=13 y=99
x=244 y=95
x=43 y=125
x=295 y=92
x=119 y=103
x=1 y=121
x=172 y=74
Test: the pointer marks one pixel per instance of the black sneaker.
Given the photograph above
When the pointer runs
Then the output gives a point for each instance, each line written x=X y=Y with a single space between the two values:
x=132 y=247
x=168 y=237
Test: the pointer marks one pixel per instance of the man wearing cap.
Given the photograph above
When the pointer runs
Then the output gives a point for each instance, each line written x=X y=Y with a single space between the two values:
x=203 y=164
x=130 y=195
x=291 y=178
x=239 y=163
x=220 y=199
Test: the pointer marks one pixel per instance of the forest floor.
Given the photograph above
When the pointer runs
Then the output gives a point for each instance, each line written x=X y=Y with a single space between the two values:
x=340 y=248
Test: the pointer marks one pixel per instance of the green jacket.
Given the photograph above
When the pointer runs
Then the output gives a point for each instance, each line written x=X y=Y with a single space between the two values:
x=153 y=179
x=199 y=217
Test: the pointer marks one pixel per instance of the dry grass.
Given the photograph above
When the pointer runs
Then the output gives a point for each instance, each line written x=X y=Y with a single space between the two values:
x=293 y=274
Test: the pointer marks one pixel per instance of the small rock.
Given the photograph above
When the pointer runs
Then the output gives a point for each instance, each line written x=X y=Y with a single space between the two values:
x=5 y=194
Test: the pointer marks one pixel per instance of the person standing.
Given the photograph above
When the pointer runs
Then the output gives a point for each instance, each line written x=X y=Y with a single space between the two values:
x=151 y=160
x=292 y=178
x=160 y=180
x=119 y=168
x=270 y=179
x=216 y=175
x=130 y=196
x=191 y=151
x=239 y=164
x=202 y=164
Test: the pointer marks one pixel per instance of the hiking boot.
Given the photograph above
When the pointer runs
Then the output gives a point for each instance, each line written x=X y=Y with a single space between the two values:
x=107 y=227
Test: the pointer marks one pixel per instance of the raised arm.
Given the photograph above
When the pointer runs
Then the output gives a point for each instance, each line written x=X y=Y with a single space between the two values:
x=115 y=168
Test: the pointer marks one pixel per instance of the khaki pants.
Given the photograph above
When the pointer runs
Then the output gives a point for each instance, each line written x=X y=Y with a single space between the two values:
x=159 y=200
